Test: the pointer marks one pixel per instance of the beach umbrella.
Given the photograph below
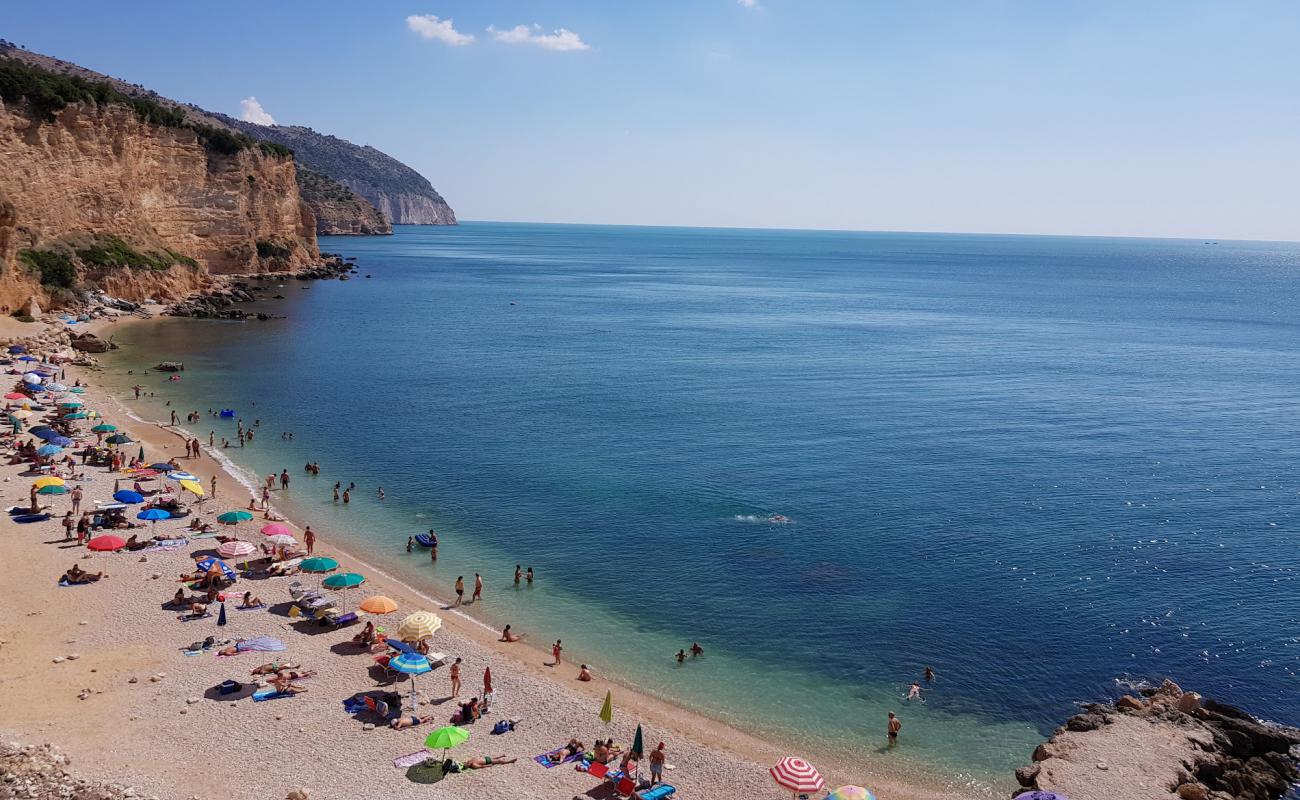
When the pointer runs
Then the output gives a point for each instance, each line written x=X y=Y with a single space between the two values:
x=28 y=358
x=20 y=413
x=221 y=617
x=234 y=517
x=192 y=487
x=378 y=604
x=210 y=563
x=127 y=496
x=638 y=743
x=161 y=467
x=48 y=450
x=70 y=404
x=56 y=387
x=851 y=793
x=487 y=681
x=410 y=664
x=52 y=490
x=17 y=349
x=16 y=396
x=61 y=441
x=797 y=775
x=44 y=433
x=106 y=543
x=345 y=580
x=281 y=540
x=119 y=438
x=33 y=378
x=276 y=529
x=77 y=390
x=48 y=480
x=420 y=625
x=262 y=644
x=77 y=415
x=104 y=427
x=236 y=548
x=1038 y=794
x=319 y=564
x=607 y=708
x=178 y=475
x=446 y=738
x=154 y=514
x=141 y=456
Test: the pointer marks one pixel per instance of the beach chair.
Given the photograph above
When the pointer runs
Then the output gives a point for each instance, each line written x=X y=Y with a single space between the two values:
x=625 y=786
x=660 y=791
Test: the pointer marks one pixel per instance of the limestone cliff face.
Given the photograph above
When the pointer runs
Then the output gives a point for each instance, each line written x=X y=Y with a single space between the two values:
x=405 y=207
x=338 y=210
x=102 y=170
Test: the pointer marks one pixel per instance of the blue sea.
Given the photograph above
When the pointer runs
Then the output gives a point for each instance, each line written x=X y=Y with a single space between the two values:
x=1052 y=468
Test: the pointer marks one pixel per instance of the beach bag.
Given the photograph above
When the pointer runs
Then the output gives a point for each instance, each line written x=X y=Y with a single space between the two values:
x=501 y=727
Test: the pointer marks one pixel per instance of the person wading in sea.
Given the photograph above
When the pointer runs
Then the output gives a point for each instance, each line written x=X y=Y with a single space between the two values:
x=894 y=726
x=460 y=590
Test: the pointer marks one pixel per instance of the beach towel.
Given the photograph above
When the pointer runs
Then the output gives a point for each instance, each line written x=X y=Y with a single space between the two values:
x=262 y=644
x=411 y=759
x=64 y=582
x=545 y=761
x=191 y=618
x=270 y=693
x=166 y=547
x=259 y=607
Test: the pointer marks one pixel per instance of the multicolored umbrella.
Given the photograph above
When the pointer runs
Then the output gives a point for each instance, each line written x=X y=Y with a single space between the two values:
x=410 y=664
x=851 y=793
x=106 y=543
x=318 y=564
x=48 y=480
x=446 y=738
x=52 y=490
x=236 y=548
x=178 y=475
x=207 y=565
x=378 y=604
x=417 y=626
x=797 y=775
x=345 y=580
x=234 y=517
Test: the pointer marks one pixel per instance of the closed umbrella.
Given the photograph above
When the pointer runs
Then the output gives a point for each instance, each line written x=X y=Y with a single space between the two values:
x=607 y=708
x=487 y=681
x=378 y=604
x=128 y=496
x=446 y=738
x=638 y=743
x=319 y=564
x=797 y=775
x=106 y=543
x=234 y=517
x=417 y=626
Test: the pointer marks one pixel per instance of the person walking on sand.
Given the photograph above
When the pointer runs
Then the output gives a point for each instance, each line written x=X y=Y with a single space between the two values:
x=894 y=726
x=76 y=499
x=478 y=588
x=455 y=677
x=460 y=590
x=309 y=539
x=555 y=652
x=212 y=486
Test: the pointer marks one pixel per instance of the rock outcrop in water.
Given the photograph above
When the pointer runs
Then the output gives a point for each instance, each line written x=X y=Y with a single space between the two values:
x=1166 y=745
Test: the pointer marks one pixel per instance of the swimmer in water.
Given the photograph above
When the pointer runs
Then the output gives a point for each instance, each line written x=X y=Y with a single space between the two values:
x=914 y=693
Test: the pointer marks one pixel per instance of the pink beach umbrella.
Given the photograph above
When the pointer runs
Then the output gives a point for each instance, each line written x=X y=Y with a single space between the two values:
x=276 y=529
x=797 y=775
x=236 y=548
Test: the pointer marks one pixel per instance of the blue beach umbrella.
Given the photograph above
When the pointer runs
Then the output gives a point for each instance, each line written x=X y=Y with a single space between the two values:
x=181 y=476
x=33 y=387
x=36 y=430
x=410 y=664
x=17 y=349
x=28 y=358
x=154 y=514
x=62 y=441
x=45 y=433
x=206 y=566
x=47 y=450
x=128 y=496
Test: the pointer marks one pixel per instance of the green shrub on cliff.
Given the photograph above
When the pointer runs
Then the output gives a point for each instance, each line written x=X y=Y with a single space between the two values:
x=272 y=250
x=110 y=251
x=55 y=268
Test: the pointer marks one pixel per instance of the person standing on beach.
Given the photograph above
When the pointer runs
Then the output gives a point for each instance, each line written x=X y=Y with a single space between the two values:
x=478 y=588
x=284 y=479
x=658 y=757
x=83 y=528
x=894 y=726
x=76 y=499
x=455 y=678
x=68 y=525
x=266 y=498
x=309 y=538
x=460 y=590
x=213 y=486
x=174 y=418
x=555 y=652
x=212 y=438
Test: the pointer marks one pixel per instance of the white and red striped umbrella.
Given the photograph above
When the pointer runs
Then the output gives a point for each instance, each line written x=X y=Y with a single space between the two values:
x=797 y=775
x=235 y=548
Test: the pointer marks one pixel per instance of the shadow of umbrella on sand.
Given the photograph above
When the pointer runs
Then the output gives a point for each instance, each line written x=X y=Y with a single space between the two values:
x=427 y=771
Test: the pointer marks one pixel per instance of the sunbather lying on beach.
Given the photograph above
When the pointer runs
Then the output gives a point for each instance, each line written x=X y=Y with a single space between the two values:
x=483 y=762
x=605 y=752
x=367 y=635
x=178 y=599
x=250 y=602
x=406 y=721
x=272 y=667
x=573 y=748
x=79 y=575
x=284 y=681
x=197 y=611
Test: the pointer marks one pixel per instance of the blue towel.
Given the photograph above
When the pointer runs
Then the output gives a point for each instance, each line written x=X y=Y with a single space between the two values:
x=269 y=693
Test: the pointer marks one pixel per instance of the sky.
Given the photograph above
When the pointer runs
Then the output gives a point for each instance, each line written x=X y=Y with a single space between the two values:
x=1152 y=118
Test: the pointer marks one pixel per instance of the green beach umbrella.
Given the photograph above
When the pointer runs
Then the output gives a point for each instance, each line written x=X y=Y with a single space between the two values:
x=70 y=404
x=77 y=415
x=319 y=564
x=142 y=458
x=234 y=517
x=53 y=489
x=104 y=428
x=446 y=738
x=344 y=580
x=607 y=708
x=638 y=746
x=77 y=390
x=119 y=438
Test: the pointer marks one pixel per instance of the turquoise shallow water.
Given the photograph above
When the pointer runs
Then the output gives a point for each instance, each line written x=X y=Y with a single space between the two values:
x=1050 y=467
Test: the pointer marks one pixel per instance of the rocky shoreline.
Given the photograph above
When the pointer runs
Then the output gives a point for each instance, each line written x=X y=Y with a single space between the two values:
x=221 y=301
x=1167 y=743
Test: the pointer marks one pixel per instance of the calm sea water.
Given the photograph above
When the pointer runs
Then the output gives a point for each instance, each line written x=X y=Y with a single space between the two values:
x=1049 y=467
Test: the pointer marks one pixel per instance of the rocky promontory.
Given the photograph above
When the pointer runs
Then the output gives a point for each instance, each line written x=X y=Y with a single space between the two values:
x=221 y=300
x=1166 y=744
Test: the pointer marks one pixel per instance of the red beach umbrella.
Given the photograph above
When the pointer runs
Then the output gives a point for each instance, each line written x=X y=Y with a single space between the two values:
x=276 y=529
x=106 y=543
x=487 y=680
x=797 y=775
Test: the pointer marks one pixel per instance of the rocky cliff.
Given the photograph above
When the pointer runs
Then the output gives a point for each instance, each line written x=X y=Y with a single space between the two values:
x=402 y=195
x=1165 y=745
x=338 y=210
x=103 y=194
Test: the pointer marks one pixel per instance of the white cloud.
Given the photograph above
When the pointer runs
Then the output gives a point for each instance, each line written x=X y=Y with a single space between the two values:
x=251 y=111
x=561 y=40
x=430 y=27
x=748 y=3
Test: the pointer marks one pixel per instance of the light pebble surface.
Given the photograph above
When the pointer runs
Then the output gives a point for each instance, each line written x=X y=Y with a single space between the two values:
x=121 y=710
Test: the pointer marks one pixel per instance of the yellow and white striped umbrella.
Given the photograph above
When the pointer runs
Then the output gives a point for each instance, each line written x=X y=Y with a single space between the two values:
x=420 y=625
